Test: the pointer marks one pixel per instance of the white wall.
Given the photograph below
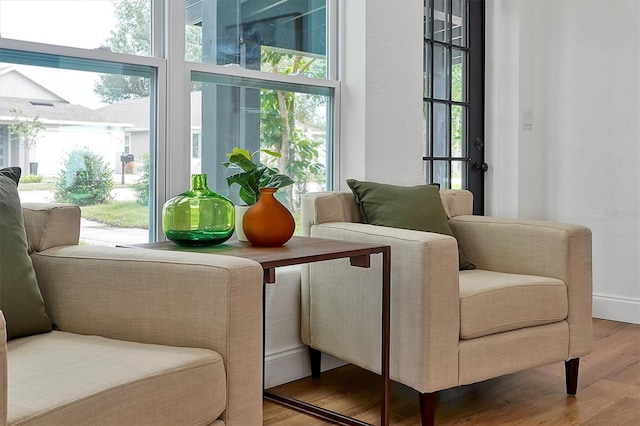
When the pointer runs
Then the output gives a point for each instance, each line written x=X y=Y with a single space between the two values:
x=574 y=64
x=381 y=73
x=286 y=357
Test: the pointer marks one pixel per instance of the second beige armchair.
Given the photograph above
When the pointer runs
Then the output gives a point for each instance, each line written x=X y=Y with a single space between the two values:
x=527 y=304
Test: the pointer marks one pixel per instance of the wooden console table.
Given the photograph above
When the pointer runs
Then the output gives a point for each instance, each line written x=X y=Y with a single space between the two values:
x=301 y=250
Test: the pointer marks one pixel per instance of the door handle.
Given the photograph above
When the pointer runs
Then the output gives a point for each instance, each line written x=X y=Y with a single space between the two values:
x=481 y=167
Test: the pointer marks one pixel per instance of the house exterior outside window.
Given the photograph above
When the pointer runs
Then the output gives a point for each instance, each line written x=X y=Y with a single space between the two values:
x=195 y=145
x=127 y=144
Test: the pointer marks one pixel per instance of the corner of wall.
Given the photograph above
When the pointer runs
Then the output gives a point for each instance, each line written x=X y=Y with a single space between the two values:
x=502 y=51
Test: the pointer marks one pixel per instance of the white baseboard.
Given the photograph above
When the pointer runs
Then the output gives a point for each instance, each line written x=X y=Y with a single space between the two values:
x=616 y=308
x=292 y=364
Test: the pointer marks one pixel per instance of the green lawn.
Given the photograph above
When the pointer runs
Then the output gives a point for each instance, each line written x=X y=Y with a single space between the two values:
x=48 y=184
x=124 y=214
x=129 y=214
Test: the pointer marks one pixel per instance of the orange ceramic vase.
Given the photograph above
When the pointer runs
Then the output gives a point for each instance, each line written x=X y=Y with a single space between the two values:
x=268 y=223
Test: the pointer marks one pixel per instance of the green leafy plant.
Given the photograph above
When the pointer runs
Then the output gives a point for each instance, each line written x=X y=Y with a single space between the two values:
x=254 y=175
x=26 y=130
x=141 y=188
x=31 y=179
x=86 y=179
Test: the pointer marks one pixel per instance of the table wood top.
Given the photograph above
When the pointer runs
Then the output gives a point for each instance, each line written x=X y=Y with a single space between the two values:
x=297 y=250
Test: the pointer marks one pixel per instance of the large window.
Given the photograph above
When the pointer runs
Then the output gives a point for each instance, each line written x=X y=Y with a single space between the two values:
x=284 y=102
x=292 y=119
x=72 y=146
x=125 y=93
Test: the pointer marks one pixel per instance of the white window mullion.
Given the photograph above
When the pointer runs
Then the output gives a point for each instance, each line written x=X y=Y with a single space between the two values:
x=332 y=39
x=177 y=106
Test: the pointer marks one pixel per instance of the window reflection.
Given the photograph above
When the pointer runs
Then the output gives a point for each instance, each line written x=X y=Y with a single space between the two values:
x=251 y=33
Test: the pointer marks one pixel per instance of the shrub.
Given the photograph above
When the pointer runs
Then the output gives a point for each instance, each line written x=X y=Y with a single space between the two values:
x=141 y=188
x=85 y=179
x=31 y=179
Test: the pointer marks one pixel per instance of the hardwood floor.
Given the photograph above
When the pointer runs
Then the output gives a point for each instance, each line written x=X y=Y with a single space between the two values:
x=608 y=392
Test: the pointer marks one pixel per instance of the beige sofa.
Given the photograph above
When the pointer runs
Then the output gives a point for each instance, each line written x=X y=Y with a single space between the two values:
x=527 y=304
x=141 y=337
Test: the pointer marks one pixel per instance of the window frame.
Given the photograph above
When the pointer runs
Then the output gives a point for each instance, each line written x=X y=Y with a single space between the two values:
x=264 y=80
x=100 y=60
x=180 y=130
x=171 y=98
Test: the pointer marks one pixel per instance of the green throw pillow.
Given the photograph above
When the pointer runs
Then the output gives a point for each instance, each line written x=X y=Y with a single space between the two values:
x=408 y=207
x=20 y=298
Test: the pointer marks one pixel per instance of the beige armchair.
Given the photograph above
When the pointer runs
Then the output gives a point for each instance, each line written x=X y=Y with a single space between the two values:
x=527 y=304
x=141 y=337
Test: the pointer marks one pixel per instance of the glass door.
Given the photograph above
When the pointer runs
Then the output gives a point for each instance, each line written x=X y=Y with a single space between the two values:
x=453 y=95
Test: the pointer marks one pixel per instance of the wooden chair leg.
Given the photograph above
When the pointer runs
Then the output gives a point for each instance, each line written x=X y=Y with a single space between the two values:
x=571 y=375
x=315 y=357
x=428 y=408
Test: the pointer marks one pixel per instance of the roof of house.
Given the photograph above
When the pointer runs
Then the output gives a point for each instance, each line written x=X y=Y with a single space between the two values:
x=21 y=93
x=137 y=111
x=31 y=99
x=52 y=111
x=15 y=84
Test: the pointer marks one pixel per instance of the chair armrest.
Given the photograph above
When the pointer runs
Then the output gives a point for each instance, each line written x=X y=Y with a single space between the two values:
x=162 y=297
x=3 y=371
x=328 y=206
x=51 y=224
x=341 y=304
x=541 y=248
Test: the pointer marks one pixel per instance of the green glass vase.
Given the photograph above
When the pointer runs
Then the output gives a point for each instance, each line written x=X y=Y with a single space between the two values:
x=198 y=217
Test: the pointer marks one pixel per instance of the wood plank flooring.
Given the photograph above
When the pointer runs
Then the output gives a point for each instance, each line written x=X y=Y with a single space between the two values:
x=608 y=392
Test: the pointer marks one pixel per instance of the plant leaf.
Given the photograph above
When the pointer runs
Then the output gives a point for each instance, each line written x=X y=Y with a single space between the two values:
x=243 y=162
x=272 y=153
x=239 y=151
x=254 y=175
x=279 y=181
x=248 y=186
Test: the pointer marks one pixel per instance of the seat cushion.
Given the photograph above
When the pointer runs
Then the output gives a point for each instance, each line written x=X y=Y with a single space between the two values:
x=493 y=302
x=69 y=379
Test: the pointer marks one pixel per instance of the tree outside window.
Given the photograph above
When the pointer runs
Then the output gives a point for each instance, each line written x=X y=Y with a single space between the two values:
x=26 y=130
